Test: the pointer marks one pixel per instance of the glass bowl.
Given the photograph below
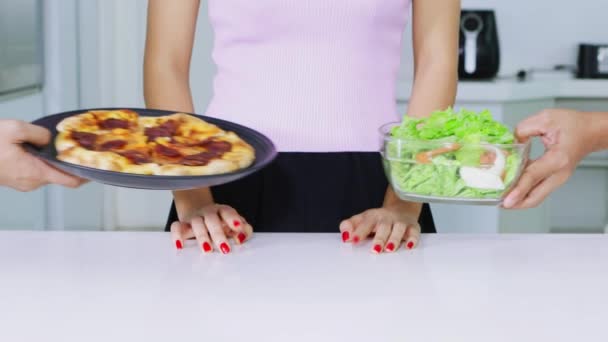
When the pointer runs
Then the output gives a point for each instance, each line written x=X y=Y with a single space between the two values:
x=448 y=171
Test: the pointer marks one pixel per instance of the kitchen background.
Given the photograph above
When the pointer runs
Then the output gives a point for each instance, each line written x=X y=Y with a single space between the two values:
x=92 y=55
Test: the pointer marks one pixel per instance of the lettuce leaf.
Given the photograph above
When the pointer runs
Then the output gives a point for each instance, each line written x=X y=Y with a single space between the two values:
x=465 y=126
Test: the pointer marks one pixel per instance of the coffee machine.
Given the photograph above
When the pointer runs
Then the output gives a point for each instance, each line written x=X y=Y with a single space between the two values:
x=479 y=52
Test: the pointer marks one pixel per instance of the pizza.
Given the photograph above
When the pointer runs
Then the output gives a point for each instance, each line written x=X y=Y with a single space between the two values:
x=174 y=145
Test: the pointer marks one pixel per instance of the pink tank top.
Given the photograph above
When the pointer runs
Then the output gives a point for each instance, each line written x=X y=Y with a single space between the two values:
x=313 y=75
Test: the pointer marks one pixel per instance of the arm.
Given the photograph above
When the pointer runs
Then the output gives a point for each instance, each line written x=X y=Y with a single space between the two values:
x=169 y=40
x=568 y=136
x=435 y=38
x=435 y=29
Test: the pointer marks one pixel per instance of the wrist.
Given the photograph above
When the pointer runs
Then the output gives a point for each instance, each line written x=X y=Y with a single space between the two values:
x=392 y=201
x=597 y=127
x=412 y=208
x=187 y=201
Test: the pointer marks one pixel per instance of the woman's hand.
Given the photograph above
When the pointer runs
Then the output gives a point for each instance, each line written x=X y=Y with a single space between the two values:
x=211 y=225
x=390 y=225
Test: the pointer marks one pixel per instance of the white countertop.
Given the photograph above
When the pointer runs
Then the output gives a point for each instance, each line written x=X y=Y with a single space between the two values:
x=507 y=90
x=71 y=286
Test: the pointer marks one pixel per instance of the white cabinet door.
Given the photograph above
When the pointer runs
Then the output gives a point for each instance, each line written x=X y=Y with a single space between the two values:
x=21 y=210
x=581 y=205
x=67 y=209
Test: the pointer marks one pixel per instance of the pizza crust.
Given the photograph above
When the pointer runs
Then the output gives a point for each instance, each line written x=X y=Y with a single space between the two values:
x=99 y=160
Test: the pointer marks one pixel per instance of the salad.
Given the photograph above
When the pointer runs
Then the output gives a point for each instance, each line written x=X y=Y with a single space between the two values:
x=452 y=154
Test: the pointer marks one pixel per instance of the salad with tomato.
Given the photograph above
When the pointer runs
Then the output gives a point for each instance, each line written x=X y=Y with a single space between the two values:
x=462 y=154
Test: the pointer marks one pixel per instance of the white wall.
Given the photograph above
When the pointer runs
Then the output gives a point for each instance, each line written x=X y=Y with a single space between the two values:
x=537 y=33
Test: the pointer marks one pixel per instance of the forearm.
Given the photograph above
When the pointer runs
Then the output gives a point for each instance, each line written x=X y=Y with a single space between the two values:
x=434 y=88
x=168 y=89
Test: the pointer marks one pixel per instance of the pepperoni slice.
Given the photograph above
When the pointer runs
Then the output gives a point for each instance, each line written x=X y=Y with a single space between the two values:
x=112 y=145
x=216 y=146
x=170 y=125
x=85 y=139
x=114 y=123
x=198 y=159
x=166 y=129
x=167 y=151
x=136 y=157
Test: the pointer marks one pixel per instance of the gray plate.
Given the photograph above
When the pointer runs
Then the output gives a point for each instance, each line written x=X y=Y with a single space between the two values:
x=265 y=153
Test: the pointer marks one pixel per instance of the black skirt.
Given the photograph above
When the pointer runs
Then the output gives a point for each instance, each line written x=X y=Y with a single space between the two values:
x=309 y=192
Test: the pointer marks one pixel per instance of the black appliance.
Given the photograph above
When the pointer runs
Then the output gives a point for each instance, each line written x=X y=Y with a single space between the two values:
x=479 y=52
x=592 y=61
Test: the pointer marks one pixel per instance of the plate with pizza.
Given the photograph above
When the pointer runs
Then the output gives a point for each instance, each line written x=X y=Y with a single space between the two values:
x=152 y=149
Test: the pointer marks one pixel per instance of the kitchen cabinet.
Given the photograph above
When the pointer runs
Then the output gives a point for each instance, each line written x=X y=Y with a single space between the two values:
x=20 y=39
x=582 y=203
x=52 y=207
x=22 y=210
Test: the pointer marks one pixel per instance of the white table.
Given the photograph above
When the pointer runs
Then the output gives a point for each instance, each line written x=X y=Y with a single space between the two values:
x=76 y=286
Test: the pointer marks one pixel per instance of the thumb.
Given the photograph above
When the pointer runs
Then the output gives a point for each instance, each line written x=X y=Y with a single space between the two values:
x=533 y=126
x=27 y=132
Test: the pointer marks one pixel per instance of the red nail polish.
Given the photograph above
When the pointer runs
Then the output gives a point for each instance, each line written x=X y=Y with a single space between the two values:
x=241 y=237
x=356 y=239
x=225 y=248
x=377 y=249
x=206 y=247
x=178 y=244
x=410 y=245
x=390 y=247
x=345 y=236
x=236 y=223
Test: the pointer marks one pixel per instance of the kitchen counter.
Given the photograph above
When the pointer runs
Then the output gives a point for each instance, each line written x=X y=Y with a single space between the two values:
x=102 y=286
x=509 y=90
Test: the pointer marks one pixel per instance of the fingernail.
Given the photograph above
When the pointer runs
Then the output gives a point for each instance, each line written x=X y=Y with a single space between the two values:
x=236 y=223
x=510 y=200
x=225 y=248
x=345 y=236
x=241 y=237
x=206 y=247
x=178 y=244
x=390 y=247
x=356 y=239
x=410 y=245
x=377 y=249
